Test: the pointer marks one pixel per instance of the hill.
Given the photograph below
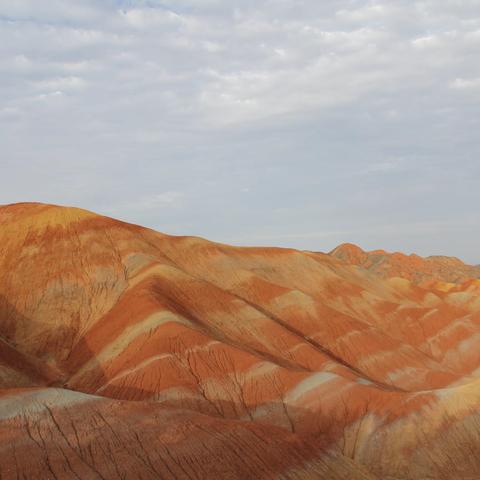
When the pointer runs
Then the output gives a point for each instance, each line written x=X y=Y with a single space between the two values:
x=128 y=353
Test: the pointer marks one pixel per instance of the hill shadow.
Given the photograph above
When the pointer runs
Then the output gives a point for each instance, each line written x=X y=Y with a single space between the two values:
x=30 y=348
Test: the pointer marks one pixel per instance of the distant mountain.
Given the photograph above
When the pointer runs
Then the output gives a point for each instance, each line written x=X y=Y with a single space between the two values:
x=128 y=353
x=412 y=267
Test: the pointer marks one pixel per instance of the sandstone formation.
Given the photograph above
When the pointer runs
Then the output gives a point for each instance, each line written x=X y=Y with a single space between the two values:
x=127 y=353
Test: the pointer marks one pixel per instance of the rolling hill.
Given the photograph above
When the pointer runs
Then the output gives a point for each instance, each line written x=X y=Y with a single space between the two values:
x=128 y=353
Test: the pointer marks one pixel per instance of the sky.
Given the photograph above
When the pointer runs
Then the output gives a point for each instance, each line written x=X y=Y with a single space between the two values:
x=259 y=122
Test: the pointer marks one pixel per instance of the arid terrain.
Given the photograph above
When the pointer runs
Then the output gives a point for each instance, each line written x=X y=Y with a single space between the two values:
x=130 y=354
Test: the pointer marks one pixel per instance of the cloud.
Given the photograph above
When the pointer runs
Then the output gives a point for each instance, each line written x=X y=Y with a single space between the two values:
x=142 y=18
x=60 y=83
x=150 y=202
x=465 y=83
x=336 y=114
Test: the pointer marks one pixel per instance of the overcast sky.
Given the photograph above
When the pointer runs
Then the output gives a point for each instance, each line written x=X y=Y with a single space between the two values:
x=274 y=122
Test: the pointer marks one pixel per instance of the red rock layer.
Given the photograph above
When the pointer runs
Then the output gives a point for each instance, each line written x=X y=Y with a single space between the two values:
x=293 y=364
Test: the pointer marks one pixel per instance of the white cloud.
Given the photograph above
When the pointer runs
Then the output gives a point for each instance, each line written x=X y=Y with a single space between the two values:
x=46 y=96
x=465 y=83
x=61 y=83
x=152 y=202
x=426 y=41
x=144 y=18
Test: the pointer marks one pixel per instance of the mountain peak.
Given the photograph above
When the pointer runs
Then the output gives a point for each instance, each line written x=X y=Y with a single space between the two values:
x=348 y=252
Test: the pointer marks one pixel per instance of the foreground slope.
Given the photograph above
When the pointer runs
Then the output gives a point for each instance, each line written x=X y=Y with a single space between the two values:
x=226 y=361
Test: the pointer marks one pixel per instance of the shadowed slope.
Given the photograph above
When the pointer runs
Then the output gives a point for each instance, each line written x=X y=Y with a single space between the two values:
x=63 y=434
